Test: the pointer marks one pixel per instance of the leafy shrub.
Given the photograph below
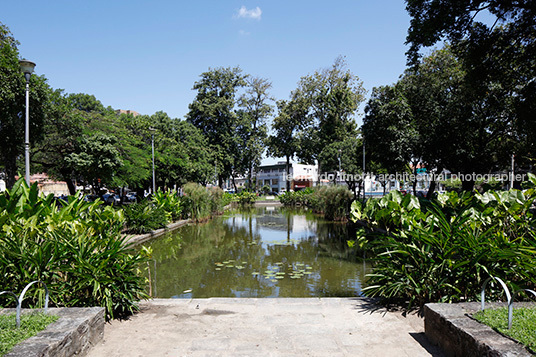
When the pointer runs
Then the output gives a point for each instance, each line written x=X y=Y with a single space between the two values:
x=199 y=202
x=298 y=198
x=227 y=198
x=170 y=202
x=443 y=250
x=246 y=198
x=77 y=250
x=145 y=217
x=216 y=199
x=332 y=201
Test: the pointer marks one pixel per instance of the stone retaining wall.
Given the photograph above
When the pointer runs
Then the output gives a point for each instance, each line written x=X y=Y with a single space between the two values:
x=451 y=327
x=73 y=334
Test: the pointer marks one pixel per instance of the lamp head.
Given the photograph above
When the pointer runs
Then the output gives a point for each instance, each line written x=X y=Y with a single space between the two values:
x=27 y=67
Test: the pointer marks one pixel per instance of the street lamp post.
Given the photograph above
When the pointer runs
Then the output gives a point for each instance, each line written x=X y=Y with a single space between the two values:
x=27 y=68
x=364 y=175
x=152 y=130
x=340 y=151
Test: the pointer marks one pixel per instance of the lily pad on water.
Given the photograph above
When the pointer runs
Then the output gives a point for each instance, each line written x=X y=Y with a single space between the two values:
x=218 y=268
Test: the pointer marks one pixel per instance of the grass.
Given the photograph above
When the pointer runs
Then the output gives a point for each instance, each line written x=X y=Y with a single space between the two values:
x=30 y=325
x=523 y=324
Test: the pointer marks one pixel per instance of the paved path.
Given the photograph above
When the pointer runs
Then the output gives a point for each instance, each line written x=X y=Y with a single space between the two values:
x=265 y=327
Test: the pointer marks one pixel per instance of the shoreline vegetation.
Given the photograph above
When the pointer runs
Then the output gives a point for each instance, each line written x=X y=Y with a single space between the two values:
x=78 y=249
x=443 y=249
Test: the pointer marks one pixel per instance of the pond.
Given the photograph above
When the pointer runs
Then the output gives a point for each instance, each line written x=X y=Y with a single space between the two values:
x=257 y=252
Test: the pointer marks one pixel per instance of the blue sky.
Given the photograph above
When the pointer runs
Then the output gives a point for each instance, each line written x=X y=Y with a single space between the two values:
x=146 y=55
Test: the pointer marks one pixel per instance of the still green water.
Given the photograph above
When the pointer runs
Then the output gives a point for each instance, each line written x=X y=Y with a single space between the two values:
x=257 y=252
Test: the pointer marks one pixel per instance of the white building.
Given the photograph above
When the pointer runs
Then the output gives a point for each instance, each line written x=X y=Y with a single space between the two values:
x=275 y=176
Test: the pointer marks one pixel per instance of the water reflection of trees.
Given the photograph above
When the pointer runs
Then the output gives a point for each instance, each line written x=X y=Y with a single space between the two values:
x=238 y=238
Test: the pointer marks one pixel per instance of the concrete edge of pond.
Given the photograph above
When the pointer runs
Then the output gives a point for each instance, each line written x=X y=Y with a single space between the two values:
x=451 y=327
x=141 y=238
x=76 y=331
x=268 y=203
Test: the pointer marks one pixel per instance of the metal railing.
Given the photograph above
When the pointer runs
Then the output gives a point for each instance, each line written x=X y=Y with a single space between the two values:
x=21 y=298
x=509 y=298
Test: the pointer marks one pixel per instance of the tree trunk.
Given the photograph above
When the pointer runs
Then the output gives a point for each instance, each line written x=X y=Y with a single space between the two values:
x=468 y=185
x=234 y=183
x=11 y=169
x=359 y=189
x=71 y=186
x=431 y=190
x=250 y=174
x=288 y=174
x=351 y=187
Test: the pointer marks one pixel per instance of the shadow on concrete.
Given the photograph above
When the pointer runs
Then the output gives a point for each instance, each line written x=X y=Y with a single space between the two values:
x=433 y=350
x=372 y=306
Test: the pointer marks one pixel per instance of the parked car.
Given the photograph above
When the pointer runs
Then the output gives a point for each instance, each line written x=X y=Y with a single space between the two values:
x=90 y=198
x=131 y=197
x=111 y=199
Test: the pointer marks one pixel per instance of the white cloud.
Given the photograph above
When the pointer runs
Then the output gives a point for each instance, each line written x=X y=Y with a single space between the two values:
x=243 y=12
x=244 y=33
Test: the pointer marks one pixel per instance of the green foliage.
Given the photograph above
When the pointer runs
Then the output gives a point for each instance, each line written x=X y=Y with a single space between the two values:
x=98 y=159
x=30 y=325
x=285 y=141
x=452 y=184
x=199 y=202
x=350 y=153
x=252 y=128
x=523 y=324
x=213 y=112
x=145 y=217
x=76 y=249
x=170 y=202
x=296 y=198
x=227 y=198
x=328 y=98
x=216 y=199
x=443 y=250
x=332 y=201
x=246 y=198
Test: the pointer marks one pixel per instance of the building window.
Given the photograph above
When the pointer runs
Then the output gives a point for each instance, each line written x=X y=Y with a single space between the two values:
x=275 y=182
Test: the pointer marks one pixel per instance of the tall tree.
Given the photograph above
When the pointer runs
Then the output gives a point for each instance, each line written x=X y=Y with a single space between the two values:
x=63 y=130
x=285 y=142
x=331 y=97
x=495 y=42
x=213 y=112
x=347 y=154
x=97 y=161
x=255 y=110
x=12 y=105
